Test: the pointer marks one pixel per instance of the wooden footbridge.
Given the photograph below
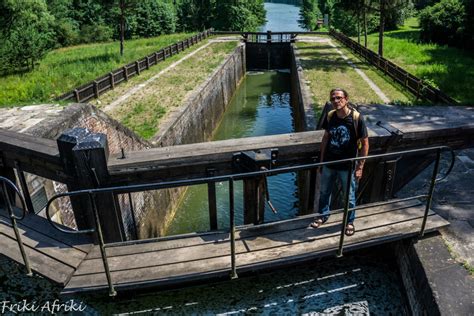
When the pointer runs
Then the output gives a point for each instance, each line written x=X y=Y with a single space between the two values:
x=97 y=256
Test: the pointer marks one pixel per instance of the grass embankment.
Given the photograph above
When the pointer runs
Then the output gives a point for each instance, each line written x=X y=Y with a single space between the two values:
x=325 y=69
x=449 y=69
x=144 y=109
x=66 y=68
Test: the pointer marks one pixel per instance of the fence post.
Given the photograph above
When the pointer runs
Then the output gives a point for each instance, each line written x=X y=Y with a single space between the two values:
x=137 y=66
x=112 y=81
x=125 y=73
x=96 y=89
x=76 y=95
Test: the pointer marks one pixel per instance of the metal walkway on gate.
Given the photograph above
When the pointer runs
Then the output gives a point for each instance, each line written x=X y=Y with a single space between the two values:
x=73 y=260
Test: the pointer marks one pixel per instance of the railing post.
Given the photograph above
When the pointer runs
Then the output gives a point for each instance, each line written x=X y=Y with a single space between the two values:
x=233 y=273
x=66 y=142
x=254 y=200
x=84 y=156
x=346 y=209
x=430 y=192
x=212 y=201
x=90 y=159
x=100 y=238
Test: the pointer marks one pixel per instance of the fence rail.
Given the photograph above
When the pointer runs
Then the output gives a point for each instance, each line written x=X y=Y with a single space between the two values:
x=415 y=85
x=107 y=82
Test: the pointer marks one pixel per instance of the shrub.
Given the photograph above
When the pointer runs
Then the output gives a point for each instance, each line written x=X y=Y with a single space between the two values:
x=443 y=23
x=96 y=33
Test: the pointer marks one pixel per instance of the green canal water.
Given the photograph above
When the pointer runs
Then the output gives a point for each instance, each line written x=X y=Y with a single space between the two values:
x=260 y=106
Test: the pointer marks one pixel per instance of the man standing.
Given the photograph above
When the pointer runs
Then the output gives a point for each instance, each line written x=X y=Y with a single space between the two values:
x=345 y=137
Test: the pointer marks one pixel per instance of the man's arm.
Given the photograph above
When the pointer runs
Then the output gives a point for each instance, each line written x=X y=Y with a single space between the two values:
x=324 y=143
x=363 y=152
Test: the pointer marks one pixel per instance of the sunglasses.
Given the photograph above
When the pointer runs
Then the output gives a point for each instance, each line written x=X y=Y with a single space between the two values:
x=336 y=98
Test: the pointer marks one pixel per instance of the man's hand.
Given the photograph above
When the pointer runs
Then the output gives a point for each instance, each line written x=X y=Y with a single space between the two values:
x=358 y=173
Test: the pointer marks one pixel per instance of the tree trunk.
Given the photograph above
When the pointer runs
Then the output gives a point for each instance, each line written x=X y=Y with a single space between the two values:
x=381 y=27
x=122 y=25
x=365 y=26
x=358 y=27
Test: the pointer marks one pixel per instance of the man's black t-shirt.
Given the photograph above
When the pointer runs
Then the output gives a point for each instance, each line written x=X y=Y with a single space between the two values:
x=342 y=142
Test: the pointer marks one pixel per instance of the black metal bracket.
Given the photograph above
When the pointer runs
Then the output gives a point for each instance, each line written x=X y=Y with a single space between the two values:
x=392 y=130
x=249 y=161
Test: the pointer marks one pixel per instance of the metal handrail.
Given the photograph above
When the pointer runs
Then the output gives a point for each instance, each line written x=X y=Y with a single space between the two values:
x=231 y=178
x=13 y=218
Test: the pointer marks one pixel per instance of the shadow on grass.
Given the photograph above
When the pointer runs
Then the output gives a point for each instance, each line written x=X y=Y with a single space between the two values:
x=98 y=59
x=409 y=35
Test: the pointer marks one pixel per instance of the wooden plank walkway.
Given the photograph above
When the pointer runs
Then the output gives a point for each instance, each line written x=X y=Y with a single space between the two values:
x=207 y=257
x=52 y=254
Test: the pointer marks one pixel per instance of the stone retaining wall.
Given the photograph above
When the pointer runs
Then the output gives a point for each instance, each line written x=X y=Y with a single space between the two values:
x=196 y=120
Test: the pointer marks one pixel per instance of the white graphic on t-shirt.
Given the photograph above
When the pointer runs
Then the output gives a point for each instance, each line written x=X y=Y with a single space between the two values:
x=340 y=136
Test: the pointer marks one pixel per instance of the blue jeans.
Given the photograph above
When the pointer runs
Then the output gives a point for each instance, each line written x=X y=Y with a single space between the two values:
x=328 y=178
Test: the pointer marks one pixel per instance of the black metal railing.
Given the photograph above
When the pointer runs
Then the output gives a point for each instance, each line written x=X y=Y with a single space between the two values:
x=7 y=201
x=92 y=193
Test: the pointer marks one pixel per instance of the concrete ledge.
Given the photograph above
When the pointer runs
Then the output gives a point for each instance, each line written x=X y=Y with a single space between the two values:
x=435 y=283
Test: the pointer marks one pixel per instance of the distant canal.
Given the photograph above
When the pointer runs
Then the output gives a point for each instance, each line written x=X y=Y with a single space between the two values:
x=282 y=16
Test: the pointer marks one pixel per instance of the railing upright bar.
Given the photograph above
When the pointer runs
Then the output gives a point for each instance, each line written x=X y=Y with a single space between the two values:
x=24 y=188
x=430 y=192
x=346 y=208
x=233 y=273
x=132 y=211
x=100 y=236
x=13 y=219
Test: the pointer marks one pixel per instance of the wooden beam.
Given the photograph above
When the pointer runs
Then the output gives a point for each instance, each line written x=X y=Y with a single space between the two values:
x=36 y=155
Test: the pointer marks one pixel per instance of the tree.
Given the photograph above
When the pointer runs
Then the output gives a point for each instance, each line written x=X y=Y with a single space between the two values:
x=153 y=18
x=26 y=34
x=310 y=14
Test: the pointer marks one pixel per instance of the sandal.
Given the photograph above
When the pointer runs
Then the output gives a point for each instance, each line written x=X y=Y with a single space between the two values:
x=350 y=229
x=317 y=223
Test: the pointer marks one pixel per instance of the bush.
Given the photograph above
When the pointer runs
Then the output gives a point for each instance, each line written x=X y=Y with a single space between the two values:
x=95 y=33
x=443 y=23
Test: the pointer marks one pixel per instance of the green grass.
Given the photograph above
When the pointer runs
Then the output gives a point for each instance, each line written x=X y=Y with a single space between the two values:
x=449 y=69
x=143 y=111
x=66 y=68
x=325 y=69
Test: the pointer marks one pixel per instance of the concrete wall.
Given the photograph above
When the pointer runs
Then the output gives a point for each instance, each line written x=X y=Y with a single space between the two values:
x=196 y=120
x=300 y=96
x=264 y=56
x=435 y=283
x=86 y=116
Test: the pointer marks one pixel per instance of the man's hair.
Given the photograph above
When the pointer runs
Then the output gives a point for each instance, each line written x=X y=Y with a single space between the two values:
x=346 y=95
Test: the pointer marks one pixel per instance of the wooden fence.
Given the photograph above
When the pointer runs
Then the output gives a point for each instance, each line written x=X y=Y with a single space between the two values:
x=107 y=82
x=415 y=85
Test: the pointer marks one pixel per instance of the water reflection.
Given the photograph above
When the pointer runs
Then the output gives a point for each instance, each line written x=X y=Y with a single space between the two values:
x=359 y=285
x=260 y=106
x=282 y=16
